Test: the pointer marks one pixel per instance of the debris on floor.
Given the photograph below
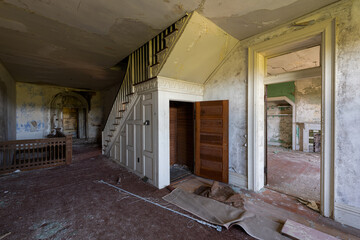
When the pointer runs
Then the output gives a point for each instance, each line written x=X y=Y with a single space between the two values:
x=217 y=213
x=5 y=235
x=222 y=193
x=310 y=204
x=218 y=228
x=269 y=207
x=298 y=231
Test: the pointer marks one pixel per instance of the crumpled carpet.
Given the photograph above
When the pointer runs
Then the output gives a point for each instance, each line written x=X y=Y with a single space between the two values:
x=218 y=213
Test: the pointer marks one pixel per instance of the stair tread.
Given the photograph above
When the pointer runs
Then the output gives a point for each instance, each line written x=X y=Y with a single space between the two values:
x=155 y=64
x=169 y=34
x=165 y=48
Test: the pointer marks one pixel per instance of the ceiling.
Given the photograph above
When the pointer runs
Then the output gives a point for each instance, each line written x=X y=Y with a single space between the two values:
x=74 y=43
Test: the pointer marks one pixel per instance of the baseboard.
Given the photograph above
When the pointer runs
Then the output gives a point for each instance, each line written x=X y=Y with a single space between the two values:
x=237 y=180
x=347 y=215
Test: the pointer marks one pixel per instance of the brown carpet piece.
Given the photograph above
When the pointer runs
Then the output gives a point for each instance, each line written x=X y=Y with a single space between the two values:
x=224 y=215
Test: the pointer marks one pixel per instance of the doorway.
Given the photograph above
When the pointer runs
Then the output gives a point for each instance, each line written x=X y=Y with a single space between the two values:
x=292 y=157
x=324 y=34
x=71 y=122
x=199 y=140
x=181 y=139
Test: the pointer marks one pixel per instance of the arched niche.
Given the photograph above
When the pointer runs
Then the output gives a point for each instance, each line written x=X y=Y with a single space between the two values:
x=69 y=113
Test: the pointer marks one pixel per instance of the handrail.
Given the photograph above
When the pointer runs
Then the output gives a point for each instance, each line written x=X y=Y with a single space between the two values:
x=143 y=64
x=35 y=153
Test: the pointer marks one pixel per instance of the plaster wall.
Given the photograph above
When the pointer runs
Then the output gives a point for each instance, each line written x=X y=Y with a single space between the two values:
x=279 y=125
x=202 y=45
x=33 y=111
x=308 y=100
x=7 y=105
x=230 y=82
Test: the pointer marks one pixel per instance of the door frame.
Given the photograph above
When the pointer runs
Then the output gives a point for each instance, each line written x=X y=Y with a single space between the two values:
x=256 y=128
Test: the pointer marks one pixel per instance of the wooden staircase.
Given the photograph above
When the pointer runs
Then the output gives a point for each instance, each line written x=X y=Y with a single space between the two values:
x=143 y=64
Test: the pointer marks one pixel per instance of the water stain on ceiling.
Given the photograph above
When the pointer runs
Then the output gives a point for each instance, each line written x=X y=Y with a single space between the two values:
x=74 y=43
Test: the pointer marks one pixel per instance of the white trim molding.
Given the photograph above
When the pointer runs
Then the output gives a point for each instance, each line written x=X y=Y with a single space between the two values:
x=170 y=85
x=296 y=75
x=348 y=215
x=256 y=130
x=180 y=86
x=238 y=180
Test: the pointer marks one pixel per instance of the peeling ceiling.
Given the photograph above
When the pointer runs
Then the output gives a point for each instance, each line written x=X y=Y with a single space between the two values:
x=74 y=43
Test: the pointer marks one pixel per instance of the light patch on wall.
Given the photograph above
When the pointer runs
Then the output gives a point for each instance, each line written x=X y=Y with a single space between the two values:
x=34 y=126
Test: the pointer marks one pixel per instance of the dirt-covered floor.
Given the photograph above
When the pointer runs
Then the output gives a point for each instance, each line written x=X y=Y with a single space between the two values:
x=294 y=172
x=67 y=203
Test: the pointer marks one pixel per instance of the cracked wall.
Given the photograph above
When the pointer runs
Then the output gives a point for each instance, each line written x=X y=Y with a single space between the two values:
x=279 y=124
x=33 y=111
x=230 y=82
x=308 y=100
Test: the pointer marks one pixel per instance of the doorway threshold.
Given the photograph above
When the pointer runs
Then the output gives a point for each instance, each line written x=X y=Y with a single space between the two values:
x=178 y=172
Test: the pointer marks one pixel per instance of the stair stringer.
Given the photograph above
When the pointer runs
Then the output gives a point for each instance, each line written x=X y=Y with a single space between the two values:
x=129 y=107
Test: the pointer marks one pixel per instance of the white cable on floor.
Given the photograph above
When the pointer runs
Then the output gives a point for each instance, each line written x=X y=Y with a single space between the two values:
x=217 y=227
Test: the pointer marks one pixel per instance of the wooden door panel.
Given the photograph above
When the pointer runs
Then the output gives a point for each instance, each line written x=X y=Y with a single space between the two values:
x=211 y=138
x=211 y=125
x=211 y=135
x=173 y=135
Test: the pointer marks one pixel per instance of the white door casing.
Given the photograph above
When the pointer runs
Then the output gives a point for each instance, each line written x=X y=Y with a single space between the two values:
x=256 y=126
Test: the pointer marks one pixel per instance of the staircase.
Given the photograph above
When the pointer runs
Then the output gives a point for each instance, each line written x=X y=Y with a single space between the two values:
x=143 y=65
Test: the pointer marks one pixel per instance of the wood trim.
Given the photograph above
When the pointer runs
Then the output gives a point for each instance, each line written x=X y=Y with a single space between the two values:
x=149 y=79
x=68 y=140
x=225 y=170
x=197 y=138
x=255 y=174
x=35 y=153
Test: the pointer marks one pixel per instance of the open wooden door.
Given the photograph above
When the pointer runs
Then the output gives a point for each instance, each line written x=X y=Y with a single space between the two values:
x=211 y=140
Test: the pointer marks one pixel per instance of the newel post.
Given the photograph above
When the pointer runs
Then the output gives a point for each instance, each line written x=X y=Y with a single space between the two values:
x=68 y=143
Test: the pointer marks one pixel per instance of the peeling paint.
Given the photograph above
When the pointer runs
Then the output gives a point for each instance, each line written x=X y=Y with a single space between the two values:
x=33 y=112
x=227 y=83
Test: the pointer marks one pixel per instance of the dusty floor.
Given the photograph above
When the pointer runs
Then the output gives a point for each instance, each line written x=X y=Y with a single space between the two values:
x=67 y=203
x=295 y=173
x=278 y=207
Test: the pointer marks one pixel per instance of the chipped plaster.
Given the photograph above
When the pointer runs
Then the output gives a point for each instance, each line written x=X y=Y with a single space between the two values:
x=229 y=82
x=33 y=111
x=74 y=43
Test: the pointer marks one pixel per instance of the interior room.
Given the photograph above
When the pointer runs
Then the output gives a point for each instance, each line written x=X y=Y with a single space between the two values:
x=294 y=127
x=186 y=119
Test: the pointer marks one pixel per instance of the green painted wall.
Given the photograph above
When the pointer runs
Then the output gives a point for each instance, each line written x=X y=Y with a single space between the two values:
x=282 y=89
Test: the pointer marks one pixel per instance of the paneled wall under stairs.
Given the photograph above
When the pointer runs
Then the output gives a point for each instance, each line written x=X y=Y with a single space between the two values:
x=134 y=146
